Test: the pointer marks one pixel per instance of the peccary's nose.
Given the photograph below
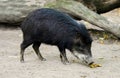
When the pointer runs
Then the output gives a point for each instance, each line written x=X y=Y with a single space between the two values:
x=87 y=59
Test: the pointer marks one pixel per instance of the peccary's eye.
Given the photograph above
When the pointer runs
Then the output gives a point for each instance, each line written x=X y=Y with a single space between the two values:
x=81 y=49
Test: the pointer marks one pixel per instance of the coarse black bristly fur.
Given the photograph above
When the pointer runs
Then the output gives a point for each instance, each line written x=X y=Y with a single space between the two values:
x=52 y=27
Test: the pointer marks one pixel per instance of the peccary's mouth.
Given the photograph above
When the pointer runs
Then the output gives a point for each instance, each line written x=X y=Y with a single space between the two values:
x=86 y=59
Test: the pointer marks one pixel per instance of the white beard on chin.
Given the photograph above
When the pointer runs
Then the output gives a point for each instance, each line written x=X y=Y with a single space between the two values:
x=86 y=59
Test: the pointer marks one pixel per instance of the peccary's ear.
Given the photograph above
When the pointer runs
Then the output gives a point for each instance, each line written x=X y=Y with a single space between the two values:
x=77 y=38
x=78 y=35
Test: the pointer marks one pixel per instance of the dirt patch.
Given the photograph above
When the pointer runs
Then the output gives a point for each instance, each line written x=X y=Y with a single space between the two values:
x=108 y=55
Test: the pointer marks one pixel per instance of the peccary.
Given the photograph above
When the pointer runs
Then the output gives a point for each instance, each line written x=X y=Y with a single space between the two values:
x=52 y=27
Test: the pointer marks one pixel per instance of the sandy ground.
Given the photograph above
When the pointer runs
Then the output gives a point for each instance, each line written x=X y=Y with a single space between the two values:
x=108 y=55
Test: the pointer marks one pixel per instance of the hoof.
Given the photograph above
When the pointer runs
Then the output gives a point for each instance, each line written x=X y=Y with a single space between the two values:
x=66 y=63
x=22 y=61
x=43 y=59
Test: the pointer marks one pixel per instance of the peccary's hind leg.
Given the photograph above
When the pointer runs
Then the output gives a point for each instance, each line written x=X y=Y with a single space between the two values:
x=36 y=46
x=24 y=45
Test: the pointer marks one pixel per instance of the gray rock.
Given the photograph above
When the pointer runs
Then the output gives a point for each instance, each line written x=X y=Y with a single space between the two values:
x=14 y=11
